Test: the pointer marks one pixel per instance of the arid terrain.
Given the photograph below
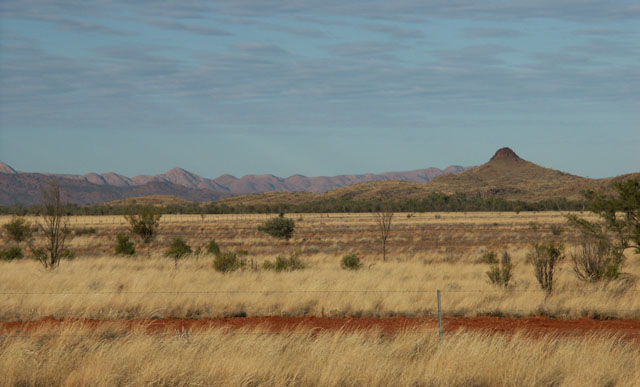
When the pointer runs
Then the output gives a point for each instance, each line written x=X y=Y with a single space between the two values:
x=118 y=304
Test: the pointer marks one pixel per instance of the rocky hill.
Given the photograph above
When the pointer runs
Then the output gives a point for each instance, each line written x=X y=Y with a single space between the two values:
x=505 y=175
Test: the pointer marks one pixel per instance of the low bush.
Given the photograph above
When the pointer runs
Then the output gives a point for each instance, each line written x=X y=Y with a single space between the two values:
x=545 y=258
x=229 y=261
x=85 y=231
x=280 y=227
x=179 y=248
x=124 y=246
x=597 y=261
x=284 y=263
x=11 y=253
x=351 y=262
x=144 y=222
x=213 y=248
x=501 y=274
x=19 y=230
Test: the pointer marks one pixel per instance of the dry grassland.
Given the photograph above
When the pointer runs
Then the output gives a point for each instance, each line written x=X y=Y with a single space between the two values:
x=428 y=252
x=445 y=236
x=78 y=357
x=111 y=287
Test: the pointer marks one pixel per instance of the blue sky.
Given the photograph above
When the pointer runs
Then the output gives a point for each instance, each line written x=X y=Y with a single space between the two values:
x=318 y=87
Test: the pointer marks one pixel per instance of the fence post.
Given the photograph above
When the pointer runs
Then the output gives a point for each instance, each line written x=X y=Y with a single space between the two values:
x=439 y=316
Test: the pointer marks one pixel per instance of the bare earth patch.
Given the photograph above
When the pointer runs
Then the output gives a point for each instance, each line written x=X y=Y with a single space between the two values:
x=531 y=326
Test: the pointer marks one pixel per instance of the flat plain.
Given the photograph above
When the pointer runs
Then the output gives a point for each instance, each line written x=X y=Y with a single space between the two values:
x=426 y=252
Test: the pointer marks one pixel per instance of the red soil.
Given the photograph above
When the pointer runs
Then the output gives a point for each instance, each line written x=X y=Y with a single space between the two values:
x=535 y=326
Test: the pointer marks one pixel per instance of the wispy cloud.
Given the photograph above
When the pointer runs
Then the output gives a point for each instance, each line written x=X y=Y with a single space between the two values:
x=395 y=32
x=188 y=27
x=581 y=10
x=257 y=48
x=365 y=50
x=385 y=74
x=491 y=33
x=602 y=31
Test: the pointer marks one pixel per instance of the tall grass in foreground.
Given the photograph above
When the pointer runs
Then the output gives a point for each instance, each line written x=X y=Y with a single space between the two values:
x=117 y=287
x=110 y=357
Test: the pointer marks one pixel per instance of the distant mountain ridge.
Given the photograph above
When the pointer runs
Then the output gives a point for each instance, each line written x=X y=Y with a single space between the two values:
x=505 y=175
x=22 y=188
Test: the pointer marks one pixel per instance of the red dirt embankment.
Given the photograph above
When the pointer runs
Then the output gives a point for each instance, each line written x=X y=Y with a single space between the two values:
x=535 y=326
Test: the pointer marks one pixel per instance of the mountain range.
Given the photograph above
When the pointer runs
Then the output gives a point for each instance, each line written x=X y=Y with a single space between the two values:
x=24 y=187
x=505 y=175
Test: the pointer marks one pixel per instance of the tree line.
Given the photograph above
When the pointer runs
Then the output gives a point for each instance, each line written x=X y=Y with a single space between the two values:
x=435 y=202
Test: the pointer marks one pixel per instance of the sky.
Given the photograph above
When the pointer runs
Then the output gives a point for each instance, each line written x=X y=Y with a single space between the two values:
x=318 y=87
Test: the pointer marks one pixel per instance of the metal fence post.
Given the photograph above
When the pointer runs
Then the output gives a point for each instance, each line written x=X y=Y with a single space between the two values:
x=439 y=316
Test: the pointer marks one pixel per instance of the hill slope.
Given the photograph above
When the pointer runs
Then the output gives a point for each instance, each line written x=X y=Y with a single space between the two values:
x=506 y=175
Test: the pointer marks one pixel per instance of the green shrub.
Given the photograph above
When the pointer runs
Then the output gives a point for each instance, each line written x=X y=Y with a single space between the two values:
x=284 y=263
x=545 y=258
x=280 y=227
x=229 y=261
x=85 y=231
x=213 y=248
x=11 y=253
x=144 y=222
x=179 y=248
x=501 y=274
x=597 y=261
x=489 y=257
x=124 y=246
x=68 y=254
x=19 y=230
x=351 y=262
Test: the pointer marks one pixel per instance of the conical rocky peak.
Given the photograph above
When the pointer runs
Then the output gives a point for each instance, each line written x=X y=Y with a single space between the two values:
x=505 y=154
x=6 y=168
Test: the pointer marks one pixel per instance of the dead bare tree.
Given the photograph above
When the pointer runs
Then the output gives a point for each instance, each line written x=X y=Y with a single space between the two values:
x=53 y=226
x=383 y=219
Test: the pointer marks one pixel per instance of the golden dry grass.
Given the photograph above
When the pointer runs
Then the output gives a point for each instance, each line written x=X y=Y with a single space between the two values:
x=76 y=356
x=148 y=287
x=428 y=252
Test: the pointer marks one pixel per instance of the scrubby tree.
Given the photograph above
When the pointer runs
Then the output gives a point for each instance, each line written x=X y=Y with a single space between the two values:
x=53 y=226
x=383 y=220
x=280 y=227
x=545 y=258
x=601 y=255
x=144 y=222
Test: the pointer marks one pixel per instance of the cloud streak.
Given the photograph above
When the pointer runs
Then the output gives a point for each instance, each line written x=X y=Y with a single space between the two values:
x=188 y=27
